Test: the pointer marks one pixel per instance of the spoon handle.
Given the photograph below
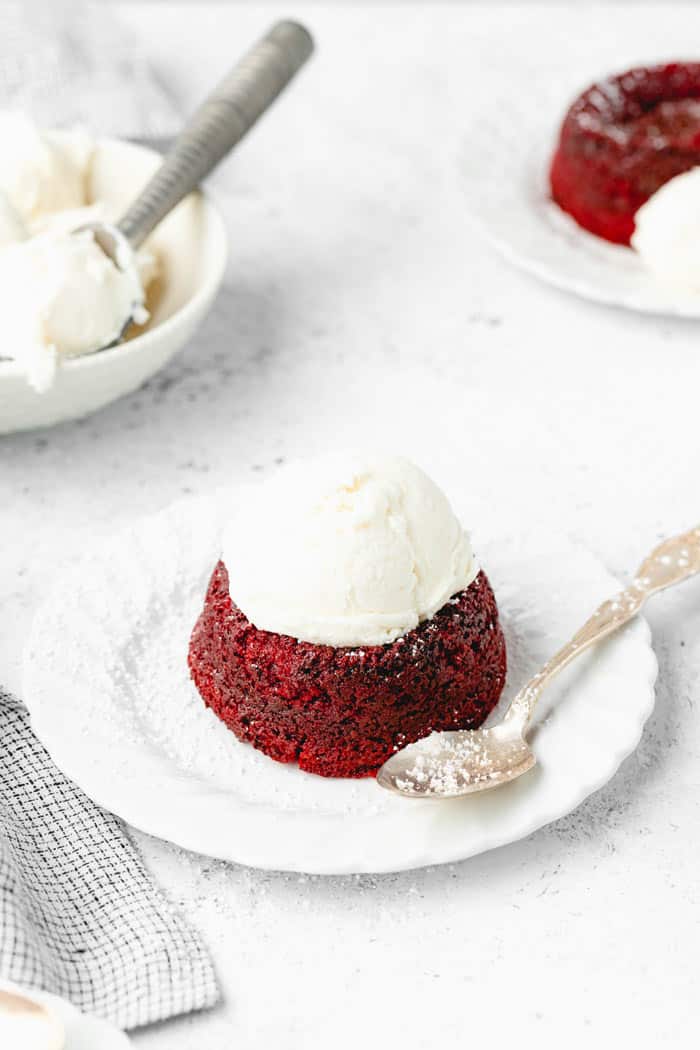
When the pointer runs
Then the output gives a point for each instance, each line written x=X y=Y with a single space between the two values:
x=220 y=122
x=671 y=562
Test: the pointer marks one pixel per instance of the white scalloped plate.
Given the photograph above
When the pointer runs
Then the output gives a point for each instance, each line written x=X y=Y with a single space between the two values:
x=504 y=168
x=107 y=685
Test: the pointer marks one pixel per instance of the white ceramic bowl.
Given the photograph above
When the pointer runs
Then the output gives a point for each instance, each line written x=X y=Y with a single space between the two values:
x=191 y=245
x=82 y=1032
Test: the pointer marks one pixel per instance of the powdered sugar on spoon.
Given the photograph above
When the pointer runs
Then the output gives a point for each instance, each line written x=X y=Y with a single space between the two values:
x=458 y=763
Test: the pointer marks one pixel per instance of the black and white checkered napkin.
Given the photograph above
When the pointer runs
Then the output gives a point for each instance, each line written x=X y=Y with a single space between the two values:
x=80 y=916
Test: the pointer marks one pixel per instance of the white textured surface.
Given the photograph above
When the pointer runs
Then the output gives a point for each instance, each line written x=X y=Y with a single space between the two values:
x=108 y=689
x=355 y=274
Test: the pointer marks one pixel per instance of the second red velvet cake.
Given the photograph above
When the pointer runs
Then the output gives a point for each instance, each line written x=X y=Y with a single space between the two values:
x=341 y=712
x=622 y=140
x=367 y=623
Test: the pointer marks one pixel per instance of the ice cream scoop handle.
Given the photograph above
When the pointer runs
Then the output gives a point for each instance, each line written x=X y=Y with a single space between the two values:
x=220 y=122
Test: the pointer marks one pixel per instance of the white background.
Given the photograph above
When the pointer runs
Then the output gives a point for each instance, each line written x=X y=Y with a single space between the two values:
x=359 y=307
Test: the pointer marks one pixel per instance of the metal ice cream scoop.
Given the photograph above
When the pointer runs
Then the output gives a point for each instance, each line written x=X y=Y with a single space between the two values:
x=461 y=762
x=218 y=125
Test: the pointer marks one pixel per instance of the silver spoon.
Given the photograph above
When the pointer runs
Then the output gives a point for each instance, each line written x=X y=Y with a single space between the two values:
x=461 y=762
x=218 y=125
x=23 y=1016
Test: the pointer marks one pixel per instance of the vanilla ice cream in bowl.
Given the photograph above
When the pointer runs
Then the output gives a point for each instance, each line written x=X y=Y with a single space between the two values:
x=63 y=300
x=110 y=255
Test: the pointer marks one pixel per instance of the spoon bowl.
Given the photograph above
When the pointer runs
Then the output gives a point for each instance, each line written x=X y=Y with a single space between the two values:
x=459 y=762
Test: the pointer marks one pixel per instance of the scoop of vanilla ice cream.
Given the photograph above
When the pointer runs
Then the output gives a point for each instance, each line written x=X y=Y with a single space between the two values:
x=345 y=551
x=667 y=231
x=63 y=297
x=39 y=171
x=146 y=259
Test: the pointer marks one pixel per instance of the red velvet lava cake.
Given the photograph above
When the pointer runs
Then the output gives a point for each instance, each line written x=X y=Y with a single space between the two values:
x=341 y=712
x=622 y=140
x=346 y=619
